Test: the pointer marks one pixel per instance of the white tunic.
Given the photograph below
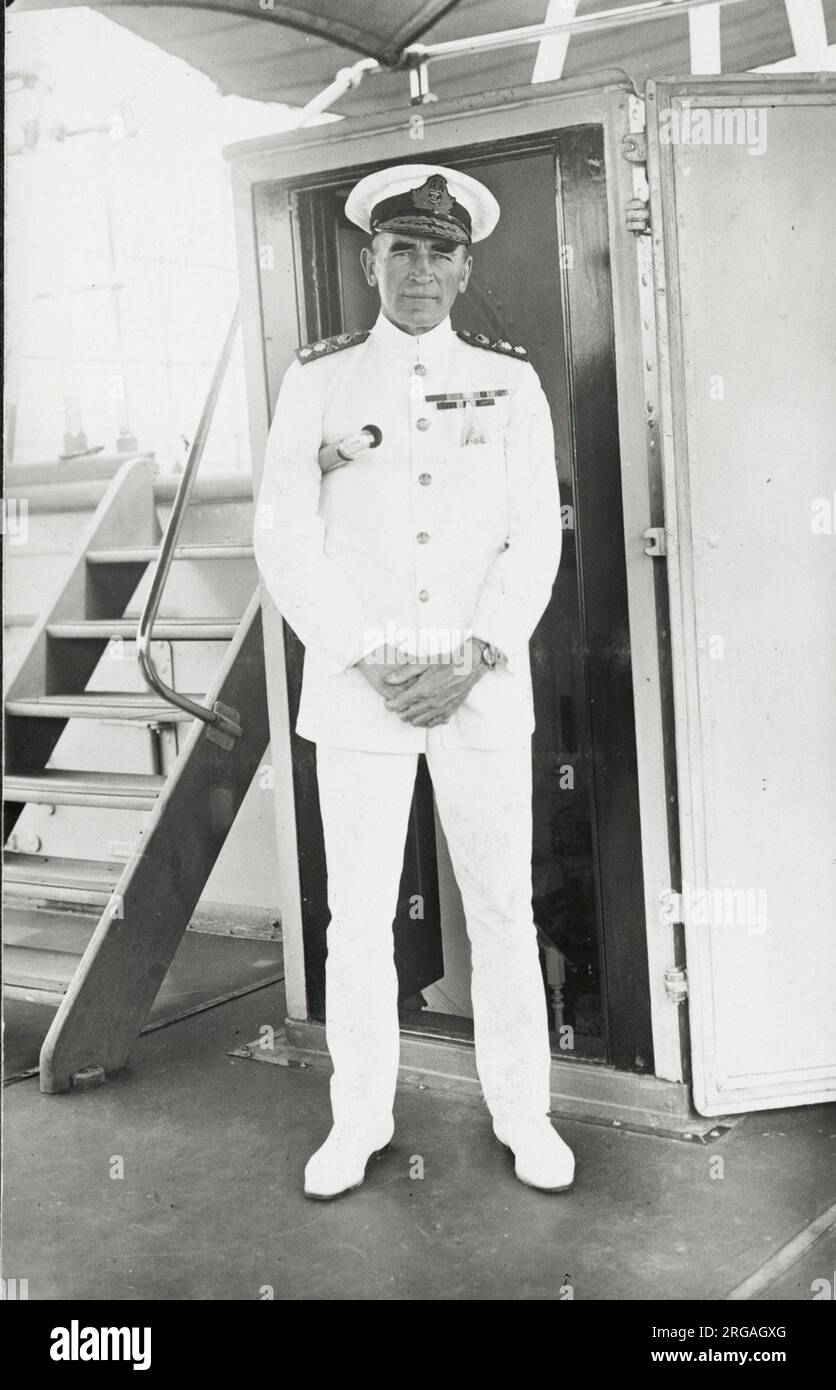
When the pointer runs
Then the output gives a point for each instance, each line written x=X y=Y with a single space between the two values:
x=450 y=527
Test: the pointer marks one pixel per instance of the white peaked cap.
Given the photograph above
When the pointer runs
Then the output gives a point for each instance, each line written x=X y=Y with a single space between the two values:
x=425 y=199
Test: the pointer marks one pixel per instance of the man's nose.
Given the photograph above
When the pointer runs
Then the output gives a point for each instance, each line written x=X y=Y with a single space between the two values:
x=421 y=265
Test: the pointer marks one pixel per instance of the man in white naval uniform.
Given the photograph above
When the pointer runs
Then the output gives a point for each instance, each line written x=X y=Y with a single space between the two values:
x=415 y=575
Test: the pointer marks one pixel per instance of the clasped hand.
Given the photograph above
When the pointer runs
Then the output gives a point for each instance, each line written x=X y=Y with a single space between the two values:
x=425 y=693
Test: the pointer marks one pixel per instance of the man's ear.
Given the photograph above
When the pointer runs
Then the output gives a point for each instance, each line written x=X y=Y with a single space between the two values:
x=466 y=269
x=367 y=262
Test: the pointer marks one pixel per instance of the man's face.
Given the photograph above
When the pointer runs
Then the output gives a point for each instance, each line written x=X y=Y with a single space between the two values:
x=417 y=278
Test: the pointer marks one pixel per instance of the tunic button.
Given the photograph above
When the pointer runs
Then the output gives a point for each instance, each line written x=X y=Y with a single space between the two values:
x=422 y=537
x=419 y=369
x=423 y=596
x=425 y=479
x=423 y=424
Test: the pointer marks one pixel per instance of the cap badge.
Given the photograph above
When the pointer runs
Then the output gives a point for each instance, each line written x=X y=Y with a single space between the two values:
x=433 y=196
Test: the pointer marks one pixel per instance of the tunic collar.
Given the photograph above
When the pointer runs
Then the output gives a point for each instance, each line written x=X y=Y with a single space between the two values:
x=430 y=348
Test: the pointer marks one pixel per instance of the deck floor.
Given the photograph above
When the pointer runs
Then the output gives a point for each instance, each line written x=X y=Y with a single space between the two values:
x=210 y=1205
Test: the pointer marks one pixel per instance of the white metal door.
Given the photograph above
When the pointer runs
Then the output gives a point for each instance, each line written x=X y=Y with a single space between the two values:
x=743 y=206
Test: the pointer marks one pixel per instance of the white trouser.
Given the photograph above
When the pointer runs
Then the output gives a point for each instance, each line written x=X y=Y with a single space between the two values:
x=484 y=802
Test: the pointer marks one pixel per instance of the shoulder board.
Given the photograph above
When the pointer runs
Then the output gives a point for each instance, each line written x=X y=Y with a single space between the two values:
x=481 y=340
x=311 y=351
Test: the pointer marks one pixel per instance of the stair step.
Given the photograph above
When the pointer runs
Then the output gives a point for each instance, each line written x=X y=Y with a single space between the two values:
x=144 y=554
x=59 y=787
x=50 y=878
x=165 y=630
x=33 y=974
x=39 y=928
x=139 y=707
x=42 y=950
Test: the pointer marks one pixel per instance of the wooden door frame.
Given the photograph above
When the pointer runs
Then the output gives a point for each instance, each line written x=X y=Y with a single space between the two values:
x=264 y=172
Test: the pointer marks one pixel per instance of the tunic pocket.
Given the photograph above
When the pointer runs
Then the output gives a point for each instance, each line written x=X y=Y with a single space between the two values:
x=476 y=494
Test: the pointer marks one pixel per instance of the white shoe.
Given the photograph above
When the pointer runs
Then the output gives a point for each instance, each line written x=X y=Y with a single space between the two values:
x=340 y=1164
x=541 y=1159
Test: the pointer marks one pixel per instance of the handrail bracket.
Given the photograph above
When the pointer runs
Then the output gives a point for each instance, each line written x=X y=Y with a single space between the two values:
x=227 y=728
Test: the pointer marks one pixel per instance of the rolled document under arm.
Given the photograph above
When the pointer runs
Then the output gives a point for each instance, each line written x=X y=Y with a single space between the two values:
x=336 y=455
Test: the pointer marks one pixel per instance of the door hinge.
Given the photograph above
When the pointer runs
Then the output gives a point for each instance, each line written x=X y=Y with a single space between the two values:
x=657 y=542
x=637 y=216
x=676 y=984
x=635 y=147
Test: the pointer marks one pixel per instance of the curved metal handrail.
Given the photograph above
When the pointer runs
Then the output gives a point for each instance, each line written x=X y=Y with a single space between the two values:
x=218 y=717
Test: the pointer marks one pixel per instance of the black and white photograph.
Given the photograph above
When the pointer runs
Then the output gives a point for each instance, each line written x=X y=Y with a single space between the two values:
x=419 y=784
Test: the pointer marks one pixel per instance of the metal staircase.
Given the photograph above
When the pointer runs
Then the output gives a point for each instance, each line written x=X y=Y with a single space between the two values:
x=104 y=971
